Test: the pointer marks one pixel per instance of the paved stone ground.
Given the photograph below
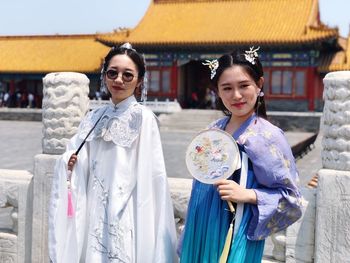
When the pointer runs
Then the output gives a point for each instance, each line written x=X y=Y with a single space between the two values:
x=21 y=141
x=309 y=165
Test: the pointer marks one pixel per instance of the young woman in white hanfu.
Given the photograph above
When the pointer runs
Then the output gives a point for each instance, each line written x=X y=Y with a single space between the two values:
x=115 y=205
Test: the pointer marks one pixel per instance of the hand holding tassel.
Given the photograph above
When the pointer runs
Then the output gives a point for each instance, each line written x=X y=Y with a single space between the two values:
x=71 y=162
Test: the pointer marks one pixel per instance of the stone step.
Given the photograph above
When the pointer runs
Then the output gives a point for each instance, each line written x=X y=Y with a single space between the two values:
x=189 y=119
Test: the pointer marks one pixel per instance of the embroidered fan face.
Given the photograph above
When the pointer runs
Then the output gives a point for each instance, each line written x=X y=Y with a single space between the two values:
x=120 y=77
x=212 y=155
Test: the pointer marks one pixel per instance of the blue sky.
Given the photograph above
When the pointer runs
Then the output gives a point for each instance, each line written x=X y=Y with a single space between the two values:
x=43 y=17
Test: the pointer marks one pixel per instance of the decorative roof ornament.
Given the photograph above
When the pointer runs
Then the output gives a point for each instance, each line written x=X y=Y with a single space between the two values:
x=213 y=66
x=251 y=54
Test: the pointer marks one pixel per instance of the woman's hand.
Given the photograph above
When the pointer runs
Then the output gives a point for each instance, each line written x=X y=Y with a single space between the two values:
x=72 y=161
x=231 y=191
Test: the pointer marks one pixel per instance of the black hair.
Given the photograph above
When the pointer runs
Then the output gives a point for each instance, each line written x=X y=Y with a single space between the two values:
x=136 y=57
x=255 y=71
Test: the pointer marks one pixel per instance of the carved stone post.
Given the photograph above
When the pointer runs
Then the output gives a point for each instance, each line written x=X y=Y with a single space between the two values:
x=332 y=243
x=15 y=215
x=65 y=103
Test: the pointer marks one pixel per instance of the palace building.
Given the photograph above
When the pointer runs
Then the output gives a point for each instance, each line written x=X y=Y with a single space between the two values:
x=177 y=36
x=25 y=60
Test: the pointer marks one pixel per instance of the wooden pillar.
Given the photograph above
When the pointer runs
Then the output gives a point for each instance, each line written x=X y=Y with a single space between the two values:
x=311 y=88
x=174 y=80
x=12 y=89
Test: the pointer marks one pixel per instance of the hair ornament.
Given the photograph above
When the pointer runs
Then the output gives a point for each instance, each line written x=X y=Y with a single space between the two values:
x=127 y=45
x=251 y=54
x=213 y=66
x=144 y=89
x=103 y=87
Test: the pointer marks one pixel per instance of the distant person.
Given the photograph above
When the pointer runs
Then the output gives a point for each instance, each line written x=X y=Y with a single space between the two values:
x=97 y=95
x=207 y=102
x=24 y=100
x=30 y=100
x=6 y=99
x=111 y=202
x=194 y=100
x=12 y=100
x=18 y=99
x=270 y=199
x=212 y=99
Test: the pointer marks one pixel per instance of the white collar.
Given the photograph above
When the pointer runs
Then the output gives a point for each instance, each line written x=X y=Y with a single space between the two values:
x=124 y=104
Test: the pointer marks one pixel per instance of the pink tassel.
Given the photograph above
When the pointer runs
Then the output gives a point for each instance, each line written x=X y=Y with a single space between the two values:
x=70 y=211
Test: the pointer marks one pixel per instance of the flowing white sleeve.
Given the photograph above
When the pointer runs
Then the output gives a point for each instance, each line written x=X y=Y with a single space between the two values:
x=156 y=233
x=66 y=235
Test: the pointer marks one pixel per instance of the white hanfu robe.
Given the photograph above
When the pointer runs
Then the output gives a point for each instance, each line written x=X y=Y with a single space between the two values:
x=123 y=210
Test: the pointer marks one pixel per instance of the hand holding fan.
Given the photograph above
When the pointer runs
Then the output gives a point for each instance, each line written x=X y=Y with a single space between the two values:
x=211 y=156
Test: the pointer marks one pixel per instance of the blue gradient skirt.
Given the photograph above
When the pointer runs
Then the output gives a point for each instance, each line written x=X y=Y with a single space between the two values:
x=207 y=224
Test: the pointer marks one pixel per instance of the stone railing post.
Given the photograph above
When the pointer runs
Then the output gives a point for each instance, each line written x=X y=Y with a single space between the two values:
x=15 y=215
x=332 y=243
x=65 y=102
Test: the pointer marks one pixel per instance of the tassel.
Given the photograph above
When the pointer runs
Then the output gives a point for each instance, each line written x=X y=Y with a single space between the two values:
x=227 y=246
x=70 y=210
x=225 y=251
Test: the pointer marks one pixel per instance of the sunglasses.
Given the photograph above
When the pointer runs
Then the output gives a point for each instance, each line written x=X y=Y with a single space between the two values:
x=113 y=74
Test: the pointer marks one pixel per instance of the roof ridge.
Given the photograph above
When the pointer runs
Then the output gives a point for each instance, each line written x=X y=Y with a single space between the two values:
x=193 y=1
x=314 y=17
x=67 y=36
x=203 y=1
x=314 y=21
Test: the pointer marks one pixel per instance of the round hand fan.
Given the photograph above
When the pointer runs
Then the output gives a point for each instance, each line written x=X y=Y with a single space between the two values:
x=212 y=155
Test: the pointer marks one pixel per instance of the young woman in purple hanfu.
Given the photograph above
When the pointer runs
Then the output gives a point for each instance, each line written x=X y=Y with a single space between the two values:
x=270 y=200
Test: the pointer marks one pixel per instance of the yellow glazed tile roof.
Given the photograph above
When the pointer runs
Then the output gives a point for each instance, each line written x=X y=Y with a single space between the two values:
x=226 y=22
x=37 y=54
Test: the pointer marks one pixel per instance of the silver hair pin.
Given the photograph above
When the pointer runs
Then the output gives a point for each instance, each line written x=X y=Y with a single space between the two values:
x=144 y=89
x=103 y=87
x=251 y=55
x=213 y=66
x=127 y=45
x=144 y=94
